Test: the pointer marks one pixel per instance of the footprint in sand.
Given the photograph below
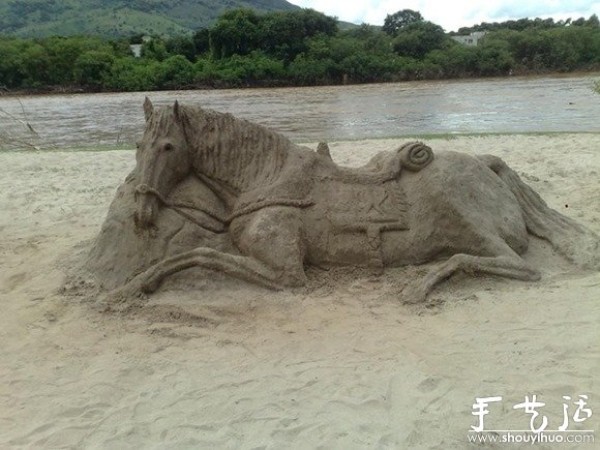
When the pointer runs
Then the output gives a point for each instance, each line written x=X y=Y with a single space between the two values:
x=14 y=281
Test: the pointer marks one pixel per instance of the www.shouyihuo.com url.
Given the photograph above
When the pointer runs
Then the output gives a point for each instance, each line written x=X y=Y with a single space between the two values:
x=531 y=438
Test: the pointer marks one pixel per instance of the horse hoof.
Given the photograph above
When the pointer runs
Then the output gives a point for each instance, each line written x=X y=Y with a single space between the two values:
x=150 y=286
x=413 y=294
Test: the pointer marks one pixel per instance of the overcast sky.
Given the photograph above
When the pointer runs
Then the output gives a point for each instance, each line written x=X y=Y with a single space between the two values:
x=453 y=14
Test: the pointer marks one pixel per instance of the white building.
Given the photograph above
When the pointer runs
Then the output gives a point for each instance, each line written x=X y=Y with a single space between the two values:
x=136 y=49
x=471 y=39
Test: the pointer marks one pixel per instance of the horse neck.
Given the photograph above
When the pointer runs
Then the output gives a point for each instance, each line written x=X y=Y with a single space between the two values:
x=237 y=153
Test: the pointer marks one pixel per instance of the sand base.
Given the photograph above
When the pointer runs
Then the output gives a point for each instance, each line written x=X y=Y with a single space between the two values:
x=340 y=364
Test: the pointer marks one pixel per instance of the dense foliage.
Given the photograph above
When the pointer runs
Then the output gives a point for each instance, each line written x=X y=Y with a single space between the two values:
x=301 y=47
x=395 y=22
x=525 y=24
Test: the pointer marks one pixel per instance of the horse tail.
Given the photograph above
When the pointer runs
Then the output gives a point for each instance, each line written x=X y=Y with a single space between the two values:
x=571 y=239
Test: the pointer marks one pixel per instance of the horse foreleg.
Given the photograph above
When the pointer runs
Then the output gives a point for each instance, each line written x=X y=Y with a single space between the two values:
x=274 y=236
x=271 y=239
x=241 y=267
x=509 y=265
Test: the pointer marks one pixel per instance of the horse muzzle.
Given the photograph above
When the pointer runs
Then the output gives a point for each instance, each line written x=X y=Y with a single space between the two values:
x=147 y=205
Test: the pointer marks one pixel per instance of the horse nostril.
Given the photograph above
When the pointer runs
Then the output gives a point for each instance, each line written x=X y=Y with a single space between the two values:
x=136 y=220
x=142 y=218
x=168 y=147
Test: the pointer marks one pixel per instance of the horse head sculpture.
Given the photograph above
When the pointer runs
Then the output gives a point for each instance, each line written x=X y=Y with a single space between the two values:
x=163 y=160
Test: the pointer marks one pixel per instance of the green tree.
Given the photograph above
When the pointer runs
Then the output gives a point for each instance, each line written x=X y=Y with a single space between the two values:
x=36 y=64
x=175 y=72
x=395 y=22
x=182 y=45
x=12 y=67
x=370 y=38
x=494 y=58
x=155 y=49
x=284 y=35
x=253 y=69
x=307 y=71
x=456 y=61
x=418 y=39
x=356 y=56
x=593 y=21
x=234 y=33
x=133 y=74
x=64 y=52
x=201 y=40
x=92 y=68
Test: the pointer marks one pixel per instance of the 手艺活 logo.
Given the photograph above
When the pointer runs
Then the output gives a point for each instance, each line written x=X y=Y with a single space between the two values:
x=574 y=411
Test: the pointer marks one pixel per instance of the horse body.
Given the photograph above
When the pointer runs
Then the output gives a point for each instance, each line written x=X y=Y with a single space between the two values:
x=451 y=215
x=289 y=206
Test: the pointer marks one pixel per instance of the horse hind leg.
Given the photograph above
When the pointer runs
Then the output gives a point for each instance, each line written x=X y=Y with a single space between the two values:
x=574 y=241
x=507 y=264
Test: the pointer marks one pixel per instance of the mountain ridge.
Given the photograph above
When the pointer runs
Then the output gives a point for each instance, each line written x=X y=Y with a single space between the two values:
x=119 y=18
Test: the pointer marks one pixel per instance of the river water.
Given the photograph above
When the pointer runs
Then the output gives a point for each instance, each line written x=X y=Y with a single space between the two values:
x=511 y=105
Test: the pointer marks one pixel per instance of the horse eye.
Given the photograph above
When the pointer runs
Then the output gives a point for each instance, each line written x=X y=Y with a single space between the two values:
x=168 y=147
x=137 y=145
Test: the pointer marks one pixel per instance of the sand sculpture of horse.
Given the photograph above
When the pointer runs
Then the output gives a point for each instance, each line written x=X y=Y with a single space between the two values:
x=289 y=206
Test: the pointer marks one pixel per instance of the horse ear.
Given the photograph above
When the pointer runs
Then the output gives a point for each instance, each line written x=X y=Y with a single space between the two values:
x=148 y=109
x=177 y=111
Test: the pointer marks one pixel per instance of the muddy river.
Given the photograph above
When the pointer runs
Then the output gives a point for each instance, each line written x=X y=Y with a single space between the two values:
x=512 y=105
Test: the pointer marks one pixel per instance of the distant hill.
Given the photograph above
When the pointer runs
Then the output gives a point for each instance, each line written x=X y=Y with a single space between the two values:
x=113 y=18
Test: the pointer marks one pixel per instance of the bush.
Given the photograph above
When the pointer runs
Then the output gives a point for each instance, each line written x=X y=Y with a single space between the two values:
x=256 y=68
x=494 y=58
x=133 y=74
x=418 y=39
x=174 y=73
x=92 y=68
x=306 y=71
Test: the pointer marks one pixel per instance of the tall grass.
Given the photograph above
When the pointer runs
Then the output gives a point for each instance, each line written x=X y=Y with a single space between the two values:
x=27 y=137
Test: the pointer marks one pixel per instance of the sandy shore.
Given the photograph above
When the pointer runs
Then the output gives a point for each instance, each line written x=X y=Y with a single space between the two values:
x=341 y=365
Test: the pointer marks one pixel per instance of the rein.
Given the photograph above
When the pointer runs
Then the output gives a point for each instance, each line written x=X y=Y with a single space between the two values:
x=179 y=208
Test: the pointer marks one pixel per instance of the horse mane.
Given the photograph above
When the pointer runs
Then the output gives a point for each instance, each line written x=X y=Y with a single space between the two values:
x=234 y=151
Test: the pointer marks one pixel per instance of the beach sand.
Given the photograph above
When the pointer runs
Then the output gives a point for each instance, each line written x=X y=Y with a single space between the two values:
x=342 y=364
